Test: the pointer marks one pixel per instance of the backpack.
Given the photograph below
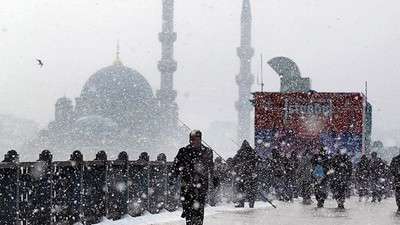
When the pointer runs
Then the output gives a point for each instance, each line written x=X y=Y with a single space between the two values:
x=318 y=172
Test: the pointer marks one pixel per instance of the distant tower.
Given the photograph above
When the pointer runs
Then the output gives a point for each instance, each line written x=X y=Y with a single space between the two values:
x=167 y=66
x=117 y=61
x=245 y=79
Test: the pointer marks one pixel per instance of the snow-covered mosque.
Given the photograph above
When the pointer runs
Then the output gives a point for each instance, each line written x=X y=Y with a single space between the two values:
x=117 y=111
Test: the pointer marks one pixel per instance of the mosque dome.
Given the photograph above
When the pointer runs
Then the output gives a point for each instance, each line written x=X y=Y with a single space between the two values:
x=116 y=92
x=117 y=82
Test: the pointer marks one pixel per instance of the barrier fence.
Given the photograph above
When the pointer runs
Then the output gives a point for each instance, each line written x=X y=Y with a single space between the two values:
x=65 y=192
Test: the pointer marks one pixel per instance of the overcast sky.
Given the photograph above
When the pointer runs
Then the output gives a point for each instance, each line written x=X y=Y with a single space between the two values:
x=338 y=44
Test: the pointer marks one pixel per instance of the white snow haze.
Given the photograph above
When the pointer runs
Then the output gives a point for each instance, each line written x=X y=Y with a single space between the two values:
x=340 y=45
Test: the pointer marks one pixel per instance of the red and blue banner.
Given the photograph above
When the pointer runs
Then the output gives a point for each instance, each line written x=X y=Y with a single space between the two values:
x=300 y=121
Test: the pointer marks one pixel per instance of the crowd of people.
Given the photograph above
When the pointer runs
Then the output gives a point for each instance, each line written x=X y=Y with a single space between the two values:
x=313 y=173
x=246 y=177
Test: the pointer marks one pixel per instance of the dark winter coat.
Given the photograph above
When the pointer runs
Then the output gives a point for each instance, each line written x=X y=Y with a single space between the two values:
x=246 y=163
x=291 y=168
x=277 y=165
x=341 y=168
x=362 y=170
x=395 y=170
x=305 y=169
x=195 y=165
x=220 y=174
x=377 y=169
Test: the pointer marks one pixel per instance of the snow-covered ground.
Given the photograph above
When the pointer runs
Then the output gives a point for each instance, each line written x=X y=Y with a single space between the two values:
x=357 y=213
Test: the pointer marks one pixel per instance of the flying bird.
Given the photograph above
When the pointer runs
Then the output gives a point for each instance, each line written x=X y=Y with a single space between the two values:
x=40 y=62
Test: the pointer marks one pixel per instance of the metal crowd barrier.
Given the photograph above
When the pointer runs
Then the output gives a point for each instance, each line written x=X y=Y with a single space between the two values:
x=46 y=192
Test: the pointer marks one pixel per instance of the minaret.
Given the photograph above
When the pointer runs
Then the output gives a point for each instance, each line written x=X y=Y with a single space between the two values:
x=245 y=79
x=117 y=61
x=167 y=66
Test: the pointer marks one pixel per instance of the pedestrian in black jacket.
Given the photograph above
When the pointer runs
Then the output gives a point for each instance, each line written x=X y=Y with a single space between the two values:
x=377 y=175
x=195 y=165
x=395 y=171
x=305 y=178
x=246 y=165
x=218 y=179
x=292 y=172
x=341 y=175
x=362 y=177
x=320 y=163
x=277 y=168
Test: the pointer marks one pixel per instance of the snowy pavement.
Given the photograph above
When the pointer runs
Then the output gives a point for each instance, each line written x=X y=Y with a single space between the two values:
x=359 y=213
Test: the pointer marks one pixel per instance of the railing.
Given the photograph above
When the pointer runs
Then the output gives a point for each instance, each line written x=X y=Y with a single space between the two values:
x=46 y=192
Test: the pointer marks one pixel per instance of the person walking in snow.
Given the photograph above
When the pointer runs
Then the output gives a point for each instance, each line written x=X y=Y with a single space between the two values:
x=387 y=183
x=264 y=179
x=320 y=163
x=291 y=178
x=277 y=167
x=395 y=171
x=341 y=175
x=306 y=180
x=195 y=165
x=228 y=185
x=246 y=163
x=218 y=178
x=377 y=175
x=362 y=177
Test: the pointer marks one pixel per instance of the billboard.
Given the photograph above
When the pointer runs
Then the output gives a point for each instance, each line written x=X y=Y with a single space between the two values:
x=300 y=121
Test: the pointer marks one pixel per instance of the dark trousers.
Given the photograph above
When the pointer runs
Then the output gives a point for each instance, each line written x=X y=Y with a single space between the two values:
x=193 y=211
x=397 y=194
x=193 y=204
x=245 y=189
x=306 y=187
x=340 y=192
x=194 y=221
x=377 y=189
x=363 y=187
x=321 y=191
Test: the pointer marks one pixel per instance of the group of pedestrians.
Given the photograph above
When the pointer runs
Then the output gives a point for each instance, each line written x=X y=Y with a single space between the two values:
x=247 y=177
x=373 y=178
x=314 y=173
x=320 y=173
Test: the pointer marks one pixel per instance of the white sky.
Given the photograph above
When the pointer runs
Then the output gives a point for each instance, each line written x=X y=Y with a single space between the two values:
x=338 y=44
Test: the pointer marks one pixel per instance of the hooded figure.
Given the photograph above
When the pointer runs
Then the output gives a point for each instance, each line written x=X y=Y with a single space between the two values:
x=245 y=163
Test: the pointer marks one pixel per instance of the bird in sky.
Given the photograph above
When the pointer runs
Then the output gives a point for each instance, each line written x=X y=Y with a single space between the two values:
x=40 y=62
